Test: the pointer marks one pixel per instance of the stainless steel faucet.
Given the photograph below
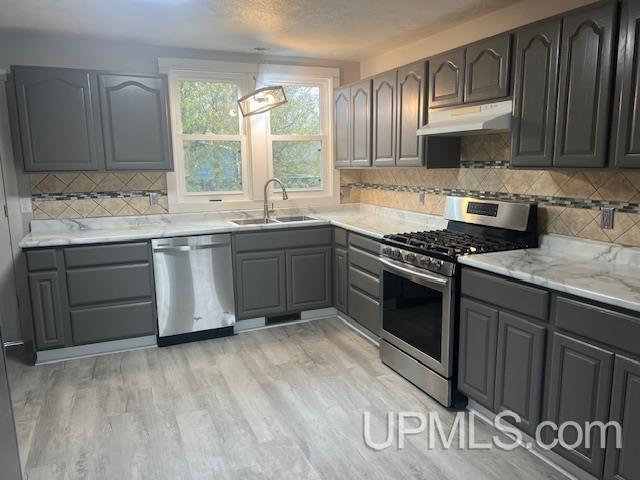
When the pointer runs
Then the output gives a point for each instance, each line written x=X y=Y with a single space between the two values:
x=267 y=211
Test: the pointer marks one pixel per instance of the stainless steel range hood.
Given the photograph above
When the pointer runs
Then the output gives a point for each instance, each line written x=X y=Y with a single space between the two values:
x=487 y=118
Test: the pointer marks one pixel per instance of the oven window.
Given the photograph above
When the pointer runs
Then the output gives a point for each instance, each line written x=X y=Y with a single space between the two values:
x=413 y=313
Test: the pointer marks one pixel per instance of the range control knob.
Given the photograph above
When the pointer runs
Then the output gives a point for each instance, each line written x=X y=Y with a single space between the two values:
x=410 y=257
x=386 y=250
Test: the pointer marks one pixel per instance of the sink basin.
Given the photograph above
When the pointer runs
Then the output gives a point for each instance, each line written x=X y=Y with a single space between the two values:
x=254 y=221
x=296 y=218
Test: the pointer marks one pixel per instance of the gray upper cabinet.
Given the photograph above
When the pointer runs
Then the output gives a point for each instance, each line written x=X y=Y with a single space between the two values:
x=309 y=278
x=410 y=117
x=535 y=93
x=624 y=463
x=384 y=119
x=342 y=126
x=360 y=151
x=135 y=122
x=78 y=120
x=579 y=390
x=446 y=79
x=519 y=369
x=57 y=119
x=477 y=356
x=626 y=123
x=584 y=93
x=487 y=69
x=261 y=284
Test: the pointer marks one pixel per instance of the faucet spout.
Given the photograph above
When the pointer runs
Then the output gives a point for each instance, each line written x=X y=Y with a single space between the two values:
x=285 y=195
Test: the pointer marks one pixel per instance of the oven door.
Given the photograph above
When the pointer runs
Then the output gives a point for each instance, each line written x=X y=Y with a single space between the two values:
x=418 y=313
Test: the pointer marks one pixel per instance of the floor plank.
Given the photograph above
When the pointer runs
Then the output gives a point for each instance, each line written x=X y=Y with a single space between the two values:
x=284 y=402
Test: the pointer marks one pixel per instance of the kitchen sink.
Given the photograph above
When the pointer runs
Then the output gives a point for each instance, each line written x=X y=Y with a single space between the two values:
x=254 y=221
x=296 y=218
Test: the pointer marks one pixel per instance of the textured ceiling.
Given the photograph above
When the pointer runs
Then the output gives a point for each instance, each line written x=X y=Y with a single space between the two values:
x=341 y=29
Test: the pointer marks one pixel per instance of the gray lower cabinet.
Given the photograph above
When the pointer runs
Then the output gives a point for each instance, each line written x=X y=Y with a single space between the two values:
x=584 y=92
x=519 y=369
x=135 y=122
x=340 y=278
x=364 y=305
x=624 y=463
x=309 y=278
x=47 y=310
x=579 y=390
x=477 y=354
x=261 y=287
x=57 y=119
x=90 y=294
x=535 y=92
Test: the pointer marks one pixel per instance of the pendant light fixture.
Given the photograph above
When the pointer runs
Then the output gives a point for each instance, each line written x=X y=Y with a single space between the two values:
x=262 y=100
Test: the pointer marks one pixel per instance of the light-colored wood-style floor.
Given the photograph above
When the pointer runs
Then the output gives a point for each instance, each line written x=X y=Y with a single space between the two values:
x=278 y=403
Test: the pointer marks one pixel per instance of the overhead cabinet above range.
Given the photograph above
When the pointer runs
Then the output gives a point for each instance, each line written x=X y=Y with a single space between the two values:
x=73 y=120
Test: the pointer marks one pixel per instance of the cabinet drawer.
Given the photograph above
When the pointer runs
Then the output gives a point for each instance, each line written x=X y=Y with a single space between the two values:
x=364 y=243
x=294 y=238
x=364 y=260
x=106 y=254
x=112 y=322
x=507 y=294
x=365 y=310
x=38 y=260
x=340 y=236
x=616 y=329
x=109 y=284
x=365 y=281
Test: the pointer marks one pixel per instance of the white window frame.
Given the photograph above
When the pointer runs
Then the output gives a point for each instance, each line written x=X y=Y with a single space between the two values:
x=256 y=155
x=323 y=137
x=180 y=193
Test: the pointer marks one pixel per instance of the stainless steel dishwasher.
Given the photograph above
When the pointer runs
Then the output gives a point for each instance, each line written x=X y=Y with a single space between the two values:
x=194 y=288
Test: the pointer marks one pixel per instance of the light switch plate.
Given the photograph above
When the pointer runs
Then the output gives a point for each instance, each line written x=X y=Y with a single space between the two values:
x=25 y=205
x=421 y=199
x=606 y=223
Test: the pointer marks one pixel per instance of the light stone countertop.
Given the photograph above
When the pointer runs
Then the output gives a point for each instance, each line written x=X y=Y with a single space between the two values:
x=598 y=271
x=365 y=219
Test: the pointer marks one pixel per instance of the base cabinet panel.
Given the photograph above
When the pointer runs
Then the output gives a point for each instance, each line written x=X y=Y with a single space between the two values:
x=340 y=279
x=261 y=284
x=47 y=310
x=519 y=369
x=365 y=310
x=624 y=463
x=579 y=390
x=477 y=358
x=308 y=278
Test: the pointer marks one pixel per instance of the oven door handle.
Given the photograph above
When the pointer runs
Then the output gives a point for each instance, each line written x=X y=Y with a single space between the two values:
x=425 y=276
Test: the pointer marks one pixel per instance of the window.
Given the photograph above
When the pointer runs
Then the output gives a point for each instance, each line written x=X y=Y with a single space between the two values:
x=222 y=160
x=296 y=139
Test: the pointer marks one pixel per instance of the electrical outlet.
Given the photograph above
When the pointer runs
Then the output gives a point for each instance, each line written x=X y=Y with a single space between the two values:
x=421 y=196
x=154 y=199
x=606 y=223
x=25 y=205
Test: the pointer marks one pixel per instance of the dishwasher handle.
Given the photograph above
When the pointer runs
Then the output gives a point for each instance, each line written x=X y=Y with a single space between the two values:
x=188 y=248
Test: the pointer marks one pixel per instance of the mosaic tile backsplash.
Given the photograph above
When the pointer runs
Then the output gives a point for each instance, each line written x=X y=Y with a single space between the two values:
x=570 y=201
x=89 y=194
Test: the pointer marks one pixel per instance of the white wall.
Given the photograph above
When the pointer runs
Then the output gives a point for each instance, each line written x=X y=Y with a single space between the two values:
x=499 y=21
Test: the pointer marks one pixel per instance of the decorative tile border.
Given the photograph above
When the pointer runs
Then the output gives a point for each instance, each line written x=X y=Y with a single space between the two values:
x=46 y=197
x=582 y=203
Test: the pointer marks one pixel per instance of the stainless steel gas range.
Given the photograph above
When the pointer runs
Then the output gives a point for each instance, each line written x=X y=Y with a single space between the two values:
x=420 y=286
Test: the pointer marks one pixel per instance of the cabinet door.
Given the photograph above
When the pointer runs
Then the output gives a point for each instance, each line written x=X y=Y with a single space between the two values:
x=260 y=284
x=410 y=117
x=487 y=69
x=135 y=122
x=384 y=119
x=446 y=79
x=626 y=127
x=361 y=124
x=519 y=368
x=341 y=126
x=624 y=463
x=58 y=128
x=477 y=362
x=309 y=275
x=579 y=390
x=584 y=100
x=47 y=310
x=535 y=92
x=340 y=278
